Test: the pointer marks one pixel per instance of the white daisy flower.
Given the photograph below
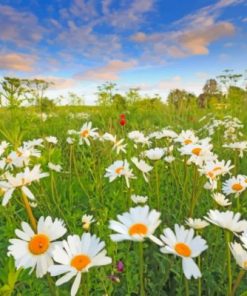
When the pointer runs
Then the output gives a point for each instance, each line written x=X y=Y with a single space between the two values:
x=213 y=169
x=169 y=159
x=142 y=166
x=240 y=147
x=86 y=132
x=138 y=138
x=138 y=198
x=136 y=225
x=221 y=199
x=54 y=167
x=240 y=254
x=119 y=168
x=228 y=220
x=234 y=185
x=77 y=255
x=52 y=140
x=34 y=250
x=187 y=137
x=183 y=244
x=3 y=146
x=196 y=223
x=21 y=180
x=87 y=220
x=154 y=154
x=70 y=140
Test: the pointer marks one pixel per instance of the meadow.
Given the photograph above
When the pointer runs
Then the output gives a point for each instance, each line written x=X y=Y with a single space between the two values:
x=185 y=176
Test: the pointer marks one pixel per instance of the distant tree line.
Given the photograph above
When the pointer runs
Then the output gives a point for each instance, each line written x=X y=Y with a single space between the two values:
x=227 y=88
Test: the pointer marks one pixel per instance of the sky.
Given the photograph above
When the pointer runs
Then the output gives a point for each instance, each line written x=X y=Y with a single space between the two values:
x=155 y=45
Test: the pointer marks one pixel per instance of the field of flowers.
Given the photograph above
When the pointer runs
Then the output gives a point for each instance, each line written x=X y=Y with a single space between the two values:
x=138 y=202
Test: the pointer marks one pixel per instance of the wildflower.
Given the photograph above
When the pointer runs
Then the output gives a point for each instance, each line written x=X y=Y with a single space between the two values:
x=227 y=220
x=183 y=244
x=86 y=132
x=21 y=180
x=240 y=147
x=87 y=220
x=54 y=167
x=196 y=223
x=52 y=140
x=138 y=198
x=234 y=185
x=154 y=154
x=70 y=140
x=138 y=138
x=119 y=168
x=77 y=255
x=122 y=121
x=120 y=266
x=142 y=166
x=187 y=137
x=136 y=225
x=33 y=250
x=169 y=158
x=240 y=254
x=221 y=199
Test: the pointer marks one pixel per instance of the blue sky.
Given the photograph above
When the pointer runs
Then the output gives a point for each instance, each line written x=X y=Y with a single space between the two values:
x=156 y=45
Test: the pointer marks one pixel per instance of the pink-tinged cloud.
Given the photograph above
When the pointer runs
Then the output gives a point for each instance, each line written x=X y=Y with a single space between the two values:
x=17 y=62
x=196 y=42
x=20 y=28
x=110 y=71
x=58 y=83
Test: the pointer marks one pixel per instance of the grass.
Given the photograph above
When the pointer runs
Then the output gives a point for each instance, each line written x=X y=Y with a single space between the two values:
x=82 y=189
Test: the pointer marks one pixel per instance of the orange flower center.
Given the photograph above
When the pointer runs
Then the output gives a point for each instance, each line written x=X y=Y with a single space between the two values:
x=197 y=151
x=84 y=133
x=211 y=175
x=119 y=170
x=182 y=249
x=39 y=244
x=237 y=187
x=187 y=141
x=80 y=262
x=140 y=229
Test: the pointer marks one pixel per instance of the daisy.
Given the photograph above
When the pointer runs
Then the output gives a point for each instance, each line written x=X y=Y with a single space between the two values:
x=87 y=220
x=21 y=180
x=54 y=167
x=221 y=199
x=51 y=140
x=240 y=254
x=119 y=168
x=86 y=132
x=77 y=255
x=70 y=140
x=138 y=198
x=213 y=169
x=227 y=220
x=33 y=250
x=187 y=137
x=183 y=244
x=154 y=154
x=136 y=225
x=234 y=185
x=196 y=223
x=240 y=147
x=142 y=166
x=169 y=159
x=138 y=138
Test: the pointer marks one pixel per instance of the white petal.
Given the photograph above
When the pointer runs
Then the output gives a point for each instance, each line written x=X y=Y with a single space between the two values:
x=190 y=268
x=76 y=284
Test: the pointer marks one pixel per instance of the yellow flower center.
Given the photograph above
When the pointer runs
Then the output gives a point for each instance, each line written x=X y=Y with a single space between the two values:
x=217 y=169
x=139 y=228
x=187 y=141
x=119 y=170
x=245 y=264
x=39 y=244
x=9 y=160
x=237 y=187
x=197 y=151
x=183 y=249
x=85 y=133
x=80 y=262
x=19 y=153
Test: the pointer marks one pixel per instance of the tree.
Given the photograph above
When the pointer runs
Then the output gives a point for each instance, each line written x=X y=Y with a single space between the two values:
x=37 y=88
x=180 y=98
x=13 y=91
x=211 y=87
x=133 y=95
x=105 y=94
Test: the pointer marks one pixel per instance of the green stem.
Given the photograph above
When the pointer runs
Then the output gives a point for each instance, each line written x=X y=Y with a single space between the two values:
x=200 y=279
x=29 y=212
x=186 y=284
x=141 y=269
x=228 y=254
x=157 y=185
x=238 y=281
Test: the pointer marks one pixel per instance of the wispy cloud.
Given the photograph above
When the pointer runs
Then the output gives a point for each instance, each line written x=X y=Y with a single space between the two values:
x=18 y=62
x=108 y=72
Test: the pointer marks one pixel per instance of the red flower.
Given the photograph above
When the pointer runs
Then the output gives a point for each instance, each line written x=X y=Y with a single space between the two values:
x=122 y=121
x=122 y=116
